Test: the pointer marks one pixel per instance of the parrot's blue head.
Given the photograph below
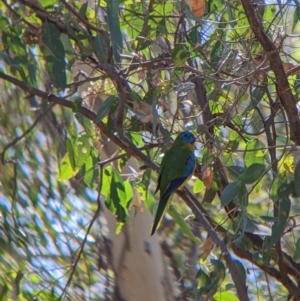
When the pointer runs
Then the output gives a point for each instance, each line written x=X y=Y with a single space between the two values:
x=185 y=138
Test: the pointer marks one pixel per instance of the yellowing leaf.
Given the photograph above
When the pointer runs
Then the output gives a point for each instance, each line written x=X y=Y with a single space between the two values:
x=65 y=169
x=286 y=164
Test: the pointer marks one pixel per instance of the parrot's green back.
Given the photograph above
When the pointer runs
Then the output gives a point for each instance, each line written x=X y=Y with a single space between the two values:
x=177 y=167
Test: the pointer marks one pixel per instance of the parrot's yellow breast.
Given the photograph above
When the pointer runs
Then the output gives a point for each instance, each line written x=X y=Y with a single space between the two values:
x=190 y=147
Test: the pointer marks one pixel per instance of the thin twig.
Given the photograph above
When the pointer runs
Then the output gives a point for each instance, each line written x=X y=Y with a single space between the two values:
x=98 y=210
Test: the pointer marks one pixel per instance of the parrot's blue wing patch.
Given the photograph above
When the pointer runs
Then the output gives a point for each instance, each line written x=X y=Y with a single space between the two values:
x=173 y=186
x=190 y=165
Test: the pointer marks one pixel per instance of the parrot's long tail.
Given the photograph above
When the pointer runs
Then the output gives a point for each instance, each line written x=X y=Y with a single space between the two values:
x=161 y=209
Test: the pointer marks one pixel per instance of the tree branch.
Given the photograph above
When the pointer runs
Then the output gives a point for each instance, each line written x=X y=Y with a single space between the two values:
x=287 y=282
x=273 y=56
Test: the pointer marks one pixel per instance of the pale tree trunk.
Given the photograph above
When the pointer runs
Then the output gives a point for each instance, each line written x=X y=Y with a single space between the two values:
x=141 y=271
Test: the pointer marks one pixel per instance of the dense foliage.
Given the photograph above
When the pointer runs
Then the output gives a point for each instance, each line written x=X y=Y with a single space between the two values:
x=227 y=71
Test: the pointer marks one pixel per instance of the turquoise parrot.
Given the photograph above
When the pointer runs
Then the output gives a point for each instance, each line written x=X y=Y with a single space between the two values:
x=176 y=169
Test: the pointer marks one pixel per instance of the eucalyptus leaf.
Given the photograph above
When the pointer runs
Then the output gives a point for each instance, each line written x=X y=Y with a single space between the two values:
x=279 y=227
x=105 y=107
x=113 y=21
x=54 y=54
x=179 y=55
x=182 y=224
x=101 y=49
x=252 y=174
x=235 y=171
x=230 y=193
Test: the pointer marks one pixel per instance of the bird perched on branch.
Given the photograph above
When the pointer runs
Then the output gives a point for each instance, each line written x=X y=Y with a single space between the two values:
x=176 y=169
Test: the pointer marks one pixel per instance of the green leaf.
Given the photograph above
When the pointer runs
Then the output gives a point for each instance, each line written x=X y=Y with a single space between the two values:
x=70 y=150
x=114 y=27
x=296 y=256
x=146 y=197
x=198 y=186
x=256 y=95
x=229 y=286
x=106 y=181
x=297 y=179
x=219 y=270
x=65 y=169
x=216 y=53
x=77 y=103
x=135 y=138
x=254 y=152
x=203 y=281
x=105 y=107
x=88 y=126
x=250 y=225
x=210 y=193
x=235 y=171
x=252 y=173
x=48 y=3
x=243 y=196
x=230 y=192
x=193 y=36
x=14 y=63
x=179 y=55
x=129 y=193
x=278 y=228
x=296 y=17
x=243 y=242
x=72 y=130
x=245 y=223
x=82 y=150
x=277 y=183
x=152 y=95
x=292 y=190
x=11 y=40
x=69 y=50
x=101 y=48
x=283 y=191
x=88 y=172
x=270 y=11
x=19 y=58
x=207 y=156
x=182 y=224
x=83 y=9
x=225 y=296
x=117 y=194
x=91 y=171
x=54 y=54
x=123 y=161
x=234 y=142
